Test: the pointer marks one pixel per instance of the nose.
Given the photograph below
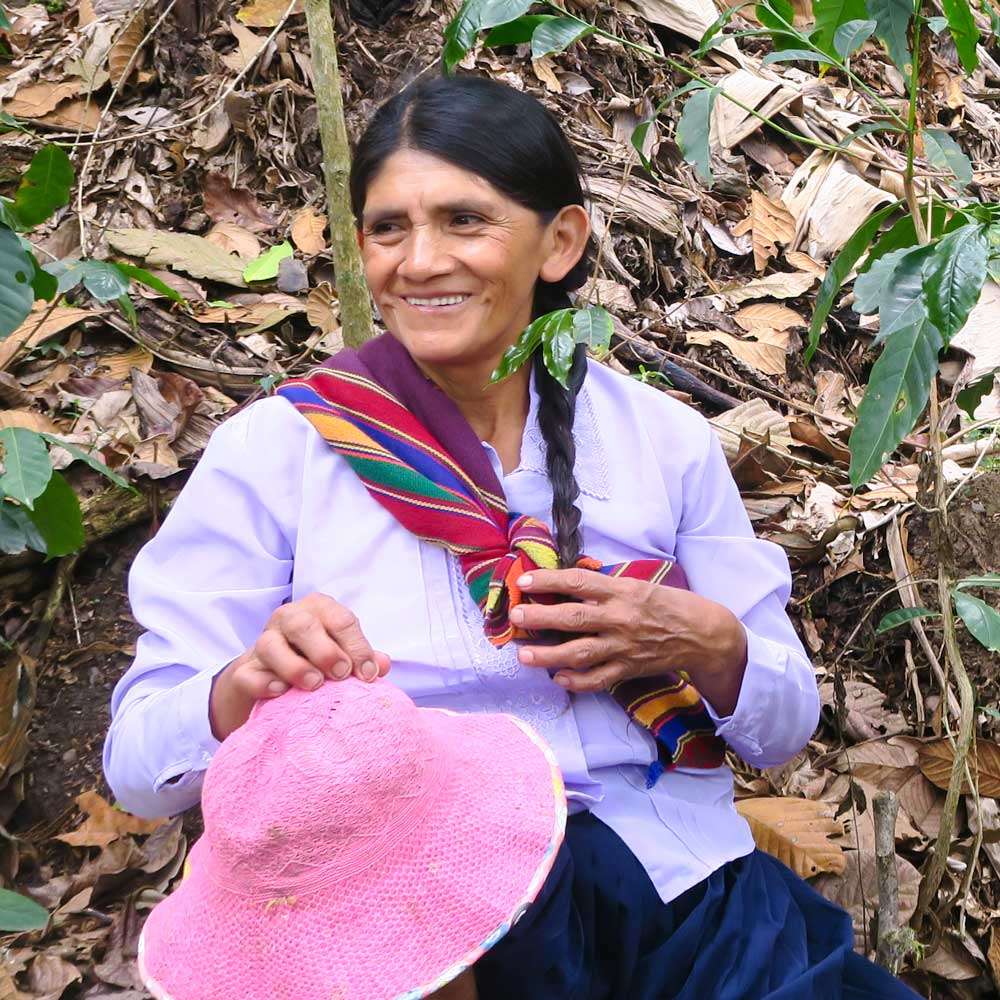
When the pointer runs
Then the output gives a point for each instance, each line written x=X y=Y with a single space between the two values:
x=424 y=255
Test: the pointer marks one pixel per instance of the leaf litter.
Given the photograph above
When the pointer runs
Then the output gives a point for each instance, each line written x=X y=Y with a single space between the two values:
x=199 y=175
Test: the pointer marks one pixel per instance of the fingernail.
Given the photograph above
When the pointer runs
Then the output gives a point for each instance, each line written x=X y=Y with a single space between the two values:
x=342 y=669
x=313 y=679
x=526 y=656
x=517 y=616
x=369 y=671
x=524 y=581
x=277 y=687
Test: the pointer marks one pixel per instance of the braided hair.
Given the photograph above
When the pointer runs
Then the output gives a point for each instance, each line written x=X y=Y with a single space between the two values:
x=458 y=119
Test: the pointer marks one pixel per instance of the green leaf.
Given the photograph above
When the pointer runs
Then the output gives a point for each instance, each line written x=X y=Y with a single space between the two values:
x=143 y=276
x=5 y=24
x=17 y=533
x=903 y=615
x=849 y=37
x=897 y=392
x=17 y=294
x=869 y=128
x=904 y=234
x=778 y=17
x=94 y=463
x=954 y=276
x=892 y=18
x=265 y=267
x=17 y=912
x=57 y=517
x=104 y=280
x=962 y=26
x=974 y=393
x=475 y=16
x=902 y=301
x=831 y=15
x=795 y=55
x=43 y=284
x=557 y=35
x=516 y=32
x=693 y=131
x=522 y=349
x=985 y=580
x=558 y=345
x=872 y=283
x=980 y=619
x=127 y=307
x=946 y=154
x=45 y=187
x=27 y=466
x=838 y=271
x=937 y=24
x=708 y=39
x=593 y=327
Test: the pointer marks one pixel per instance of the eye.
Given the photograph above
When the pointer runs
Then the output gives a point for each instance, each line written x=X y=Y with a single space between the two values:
x=382 y=228
x=466 y=219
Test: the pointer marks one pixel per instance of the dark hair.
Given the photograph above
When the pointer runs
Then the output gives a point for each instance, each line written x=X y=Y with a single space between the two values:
x=512 y=141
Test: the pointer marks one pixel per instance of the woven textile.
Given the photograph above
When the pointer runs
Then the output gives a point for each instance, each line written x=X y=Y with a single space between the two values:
x=419 y=458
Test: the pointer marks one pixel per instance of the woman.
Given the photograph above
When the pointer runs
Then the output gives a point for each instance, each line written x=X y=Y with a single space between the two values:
x=300 y=549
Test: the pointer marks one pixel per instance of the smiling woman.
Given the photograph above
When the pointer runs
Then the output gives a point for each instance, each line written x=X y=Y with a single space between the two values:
x=387 y=518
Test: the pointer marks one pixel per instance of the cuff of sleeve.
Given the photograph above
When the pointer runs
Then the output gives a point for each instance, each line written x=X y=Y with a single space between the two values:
x=766 y=666
x=194 y=730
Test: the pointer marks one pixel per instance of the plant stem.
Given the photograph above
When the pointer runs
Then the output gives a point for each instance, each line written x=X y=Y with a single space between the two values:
x=911 y=135
x=352 y=290
x=953 y=659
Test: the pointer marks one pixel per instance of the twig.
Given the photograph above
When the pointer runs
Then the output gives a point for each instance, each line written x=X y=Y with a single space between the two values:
x=352 y=289
x=60 y=582
x=913 y=680
x=885 y=808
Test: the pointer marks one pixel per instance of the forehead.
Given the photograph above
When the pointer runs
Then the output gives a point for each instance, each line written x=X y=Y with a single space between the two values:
x=413 y=180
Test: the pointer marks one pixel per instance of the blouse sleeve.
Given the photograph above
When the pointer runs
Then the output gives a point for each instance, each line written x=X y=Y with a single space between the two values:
x=778 y=705
x=203 y=588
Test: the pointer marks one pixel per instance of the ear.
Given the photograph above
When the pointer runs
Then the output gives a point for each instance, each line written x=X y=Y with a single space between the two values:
x=566 y=239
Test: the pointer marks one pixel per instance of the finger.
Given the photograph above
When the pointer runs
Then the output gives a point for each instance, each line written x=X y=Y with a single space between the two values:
x=384 y=663
x=601 y=678
x=567 y=616
x=277 y=657
x=582 y=584
x=577 y=654
x=343 y=625
x=305 y=633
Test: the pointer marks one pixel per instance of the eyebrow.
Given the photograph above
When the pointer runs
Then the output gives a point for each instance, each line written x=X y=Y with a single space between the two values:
x=445 y=208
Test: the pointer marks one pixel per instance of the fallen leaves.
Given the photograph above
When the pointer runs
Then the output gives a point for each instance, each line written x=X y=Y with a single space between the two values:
x=307 y=231
x=194 y=255
x=984 y=762
x=797 y=832
x=104 y=823
x=770 y=224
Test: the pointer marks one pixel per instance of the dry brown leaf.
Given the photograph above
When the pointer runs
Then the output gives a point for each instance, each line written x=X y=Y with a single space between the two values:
x=854 y=890
x=39 y=99
x=953 y=959
x=104 y=823
x=780 y=285
x=50 y=975
x=31 y=419
x=752 y=419
x=984 y=762
x=804 y=262
x=323 y=308
x=234 y=239
x=993 y=955
x=265 y=13
x=978 y=336
x=770 y=224
x=194 y=255
x=687 y=17
x=125 y=46
x=78 y=114
x=249 y=45
x=544 y=68
x=224 y=203
x=768 y=316
x=307 y=231
x=119 y=365
x=766 y=353
x=797 y=832
x=252 y=313
x=35 y=328
x=867 y=718
x=731 y=124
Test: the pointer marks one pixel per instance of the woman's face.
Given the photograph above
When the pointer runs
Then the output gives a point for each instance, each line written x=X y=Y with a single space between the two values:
x=452 y=262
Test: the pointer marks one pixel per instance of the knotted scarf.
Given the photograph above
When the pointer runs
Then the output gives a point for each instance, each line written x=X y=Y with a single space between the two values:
x=420 y=459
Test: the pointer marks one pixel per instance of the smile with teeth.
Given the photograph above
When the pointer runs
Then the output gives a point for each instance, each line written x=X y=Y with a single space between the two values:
x=443 y=300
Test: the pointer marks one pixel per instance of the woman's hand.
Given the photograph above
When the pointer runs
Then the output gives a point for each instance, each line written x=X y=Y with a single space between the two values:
x=303 y=643
x=629 y=628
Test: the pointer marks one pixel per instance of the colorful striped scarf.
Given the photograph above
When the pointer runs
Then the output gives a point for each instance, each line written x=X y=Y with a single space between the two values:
x=418 y=457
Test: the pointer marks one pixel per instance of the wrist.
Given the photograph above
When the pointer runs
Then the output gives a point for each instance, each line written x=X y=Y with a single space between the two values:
x=228 y=708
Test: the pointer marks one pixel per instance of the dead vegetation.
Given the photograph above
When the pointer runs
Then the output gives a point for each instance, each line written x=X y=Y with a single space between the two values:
x=195 y=140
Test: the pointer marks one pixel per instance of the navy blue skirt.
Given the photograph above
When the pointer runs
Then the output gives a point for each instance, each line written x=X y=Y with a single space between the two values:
x=753 y=930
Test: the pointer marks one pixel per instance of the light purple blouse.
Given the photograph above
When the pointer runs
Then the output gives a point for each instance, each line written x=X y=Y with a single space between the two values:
x=272 y=513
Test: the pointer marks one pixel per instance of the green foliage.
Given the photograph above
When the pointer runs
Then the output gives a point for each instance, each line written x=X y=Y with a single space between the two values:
x=44 y=188
x=851 y=35
x=903 y=615
x=516 y=32
x=557 y=35
x=557 y=333
x=17 y=912
x=831 y=16
x=980 y=619
x=693 y=131
x=892 y=19
x=95 y=463
x=17 y=270
x=473 y=17
x=27 y=466
x=962 y=26
x=5 y=24
x=946 y=154
x=17 y=531
x=57 y=516
x=104 y=280
x=265 y=267
x=953 y=278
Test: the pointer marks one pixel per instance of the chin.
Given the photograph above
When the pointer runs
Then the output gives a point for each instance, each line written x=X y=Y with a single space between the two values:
x=441 y=348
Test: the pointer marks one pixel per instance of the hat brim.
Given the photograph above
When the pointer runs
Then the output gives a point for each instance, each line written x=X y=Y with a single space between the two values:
x=428 y=907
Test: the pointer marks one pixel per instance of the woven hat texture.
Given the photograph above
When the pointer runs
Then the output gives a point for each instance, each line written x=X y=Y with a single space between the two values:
x=356 y=847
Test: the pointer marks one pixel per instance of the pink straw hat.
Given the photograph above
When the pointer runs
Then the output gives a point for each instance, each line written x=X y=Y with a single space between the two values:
x=356 y=847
